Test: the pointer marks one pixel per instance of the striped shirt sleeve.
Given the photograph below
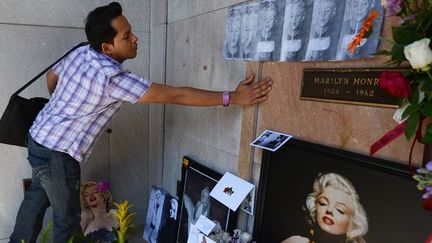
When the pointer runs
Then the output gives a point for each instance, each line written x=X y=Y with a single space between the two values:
x=58 y=67
x=128 y=87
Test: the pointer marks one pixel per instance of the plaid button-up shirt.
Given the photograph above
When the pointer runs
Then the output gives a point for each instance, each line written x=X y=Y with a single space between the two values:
x=90 y=89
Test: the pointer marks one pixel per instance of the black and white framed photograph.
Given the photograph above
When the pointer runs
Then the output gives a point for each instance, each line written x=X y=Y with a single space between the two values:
x=161 y=220
x=311 y=192
x=154 y=214
x=196 y=185
x=271 y=140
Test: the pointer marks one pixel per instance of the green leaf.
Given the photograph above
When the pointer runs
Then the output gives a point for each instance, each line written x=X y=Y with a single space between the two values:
x=406 y=34
x=398 y=52
x=410 y=110
x=383 y=53
x=46 y=232
x=412 y=124
x=414 y=99
x=427 y=109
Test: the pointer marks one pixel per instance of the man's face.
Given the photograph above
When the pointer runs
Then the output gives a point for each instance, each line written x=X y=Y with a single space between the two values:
x=359 y=8
x=295 y=15
x=326 y=10
x=125 y=42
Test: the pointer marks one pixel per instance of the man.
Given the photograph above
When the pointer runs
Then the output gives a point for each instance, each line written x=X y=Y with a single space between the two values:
x=88 y=87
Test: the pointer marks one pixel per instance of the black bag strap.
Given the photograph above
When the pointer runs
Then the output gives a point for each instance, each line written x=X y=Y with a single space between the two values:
x=46 y=69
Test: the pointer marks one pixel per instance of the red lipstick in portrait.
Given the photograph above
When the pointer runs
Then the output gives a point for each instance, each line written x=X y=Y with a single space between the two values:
x=327 y=220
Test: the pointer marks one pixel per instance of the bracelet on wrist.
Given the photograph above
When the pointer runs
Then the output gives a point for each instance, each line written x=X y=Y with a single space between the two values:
x=225 y=99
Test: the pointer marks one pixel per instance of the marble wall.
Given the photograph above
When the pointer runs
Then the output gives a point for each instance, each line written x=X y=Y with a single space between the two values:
x=195 y=35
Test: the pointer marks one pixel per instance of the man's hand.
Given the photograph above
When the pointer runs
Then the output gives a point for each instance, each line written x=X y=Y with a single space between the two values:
x=248 y=93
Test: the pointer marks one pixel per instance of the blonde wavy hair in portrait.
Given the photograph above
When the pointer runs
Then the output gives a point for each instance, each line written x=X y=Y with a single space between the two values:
x=105 y=194
x=358 y=225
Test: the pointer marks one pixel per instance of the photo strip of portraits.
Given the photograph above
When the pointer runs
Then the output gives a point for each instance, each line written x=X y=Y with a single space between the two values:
x=300 y=30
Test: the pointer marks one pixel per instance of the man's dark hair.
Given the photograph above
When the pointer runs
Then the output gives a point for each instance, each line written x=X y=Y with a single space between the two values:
x=98 y=25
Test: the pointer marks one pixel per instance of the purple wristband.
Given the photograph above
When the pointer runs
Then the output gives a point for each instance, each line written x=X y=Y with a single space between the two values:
x=225 y=99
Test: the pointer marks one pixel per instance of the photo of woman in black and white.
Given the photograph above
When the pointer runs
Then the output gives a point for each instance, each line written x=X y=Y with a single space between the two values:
x=270 y=30
x=249 y=28
x=232 y=35
x=356 y=12
x=325 y=30
x=295 y=30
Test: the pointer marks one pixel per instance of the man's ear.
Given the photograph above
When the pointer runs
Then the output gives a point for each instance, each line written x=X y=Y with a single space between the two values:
x=107 y=48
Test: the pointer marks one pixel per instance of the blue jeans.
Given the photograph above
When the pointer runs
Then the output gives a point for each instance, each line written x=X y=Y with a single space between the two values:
x=55 y=183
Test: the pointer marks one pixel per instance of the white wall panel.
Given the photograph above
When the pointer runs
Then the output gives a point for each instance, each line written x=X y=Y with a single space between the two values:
x=181 y=9
x=68 y=13
x=194 y=58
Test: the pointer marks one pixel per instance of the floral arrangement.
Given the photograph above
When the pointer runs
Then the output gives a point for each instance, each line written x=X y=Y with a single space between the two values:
x=424 y=178
x=410 y=43
x=413 y=86
x=237 y=237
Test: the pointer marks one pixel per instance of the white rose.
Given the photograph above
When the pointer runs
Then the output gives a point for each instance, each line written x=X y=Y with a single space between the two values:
x=418 y=53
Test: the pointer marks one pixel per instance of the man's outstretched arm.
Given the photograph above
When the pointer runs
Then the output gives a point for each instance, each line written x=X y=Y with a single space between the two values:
x=246 y=93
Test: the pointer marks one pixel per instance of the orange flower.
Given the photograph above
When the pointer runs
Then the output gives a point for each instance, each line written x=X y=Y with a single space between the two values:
x=367 y=24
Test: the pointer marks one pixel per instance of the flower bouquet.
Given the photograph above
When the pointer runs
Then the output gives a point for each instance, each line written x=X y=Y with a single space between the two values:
x=410 y=43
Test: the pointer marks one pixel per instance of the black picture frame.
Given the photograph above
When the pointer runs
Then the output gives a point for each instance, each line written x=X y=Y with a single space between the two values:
x=161 y=220
x=195 y=178
x=386 y=190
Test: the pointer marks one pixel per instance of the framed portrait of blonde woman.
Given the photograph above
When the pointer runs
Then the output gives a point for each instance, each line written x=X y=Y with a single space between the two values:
x=315 y=193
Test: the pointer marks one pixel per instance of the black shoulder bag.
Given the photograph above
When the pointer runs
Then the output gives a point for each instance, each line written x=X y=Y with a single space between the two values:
x=21 y=112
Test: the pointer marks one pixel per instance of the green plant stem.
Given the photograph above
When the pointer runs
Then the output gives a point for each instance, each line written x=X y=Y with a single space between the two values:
x=429 y=74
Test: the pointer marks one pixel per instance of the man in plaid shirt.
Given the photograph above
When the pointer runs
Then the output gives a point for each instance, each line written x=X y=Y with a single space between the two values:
x=88 y=87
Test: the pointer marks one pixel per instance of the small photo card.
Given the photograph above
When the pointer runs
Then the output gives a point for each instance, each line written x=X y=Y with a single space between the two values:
x=271 y=140
x=204 y=239
x=231 y=190
x=249 y=203
x=193 y=234
x=205 y=225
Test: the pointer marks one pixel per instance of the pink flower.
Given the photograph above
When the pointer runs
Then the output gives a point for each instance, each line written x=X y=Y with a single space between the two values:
x=392 y=7
x=103 y=186
x=395 y=83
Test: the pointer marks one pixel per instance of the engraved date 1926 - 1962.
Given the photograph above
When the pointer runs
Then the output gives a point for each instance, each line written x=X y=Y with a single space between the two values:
x=357 y=92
